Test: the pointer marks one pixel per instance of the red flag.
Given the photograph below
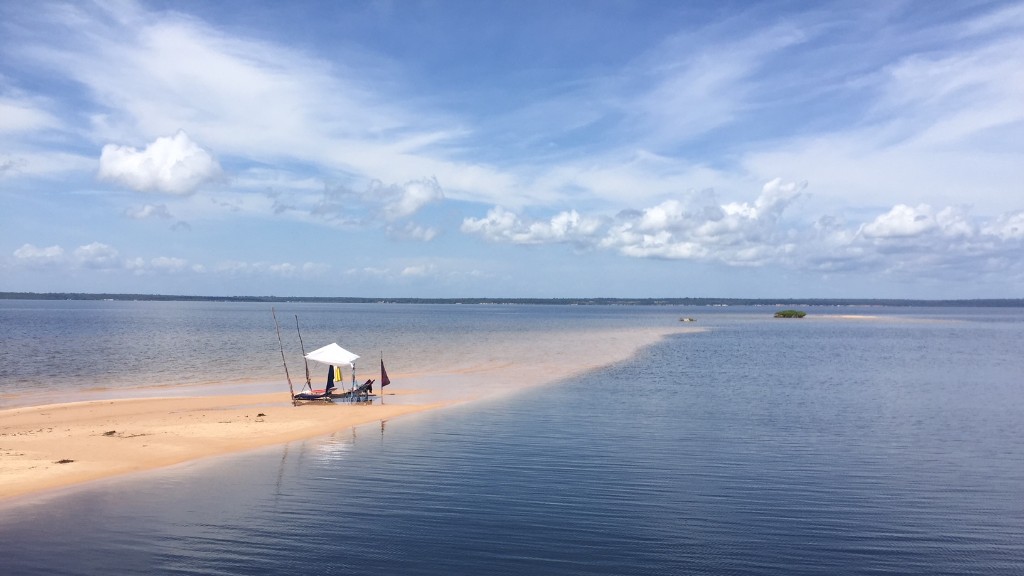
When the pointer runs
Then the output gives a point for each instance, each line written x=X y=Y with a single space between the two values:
x=384 y=380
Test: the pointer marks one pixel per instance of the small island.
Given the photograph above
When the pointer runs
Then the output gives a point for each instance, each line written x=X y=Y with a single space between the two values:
x=790 y=314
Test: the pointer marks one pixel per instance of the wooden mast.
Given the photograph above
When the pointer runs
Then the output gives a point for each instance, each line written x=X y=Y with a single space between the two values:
x=291 y=388
x=303 y=347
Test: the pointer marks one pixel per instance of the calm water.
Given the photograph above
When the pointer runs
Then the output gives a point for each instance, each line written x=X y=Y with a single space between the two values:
x=122 y=346
x=815 y=446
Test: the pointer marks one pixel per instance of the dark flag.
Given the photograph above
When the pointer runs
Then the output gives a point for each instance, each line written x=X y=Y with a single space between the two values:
x=384 y=380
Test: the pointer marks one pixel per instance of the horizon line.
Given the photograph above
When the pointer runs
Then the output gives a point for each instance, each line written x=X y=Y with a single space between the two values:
x=594 y=300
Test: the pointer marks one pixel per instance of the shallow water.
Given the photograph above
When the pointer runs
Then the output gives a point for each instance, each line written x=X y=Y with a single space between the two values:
x=761 y=446
x=125 y=346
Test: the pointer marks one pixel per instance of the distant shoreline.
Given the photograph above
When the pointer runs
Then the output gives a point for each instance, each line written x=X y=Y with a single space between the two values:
x=834 y=302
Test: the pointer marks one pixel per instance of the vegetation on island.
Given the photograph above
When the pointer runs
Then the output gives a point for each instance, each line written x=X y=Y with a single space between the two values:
x=790 y=314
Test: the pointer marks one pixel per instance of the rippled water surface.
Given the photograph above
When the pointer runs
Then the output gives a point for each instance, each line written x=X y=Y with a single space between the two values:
x=122 y=346
x=816 y=446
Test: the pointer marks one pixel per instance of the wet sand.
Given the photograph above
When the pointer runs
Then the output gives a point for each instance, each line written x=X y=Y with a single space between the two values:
x=60 y=445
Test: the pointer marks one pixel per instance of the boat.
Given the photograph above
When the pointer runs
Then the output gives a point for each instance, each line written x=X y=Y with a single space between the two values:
x=334 y=357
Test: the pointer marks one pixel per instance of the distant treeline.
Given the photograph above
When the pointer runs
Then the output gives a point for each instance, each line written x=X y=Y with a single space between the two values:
x=989 y=302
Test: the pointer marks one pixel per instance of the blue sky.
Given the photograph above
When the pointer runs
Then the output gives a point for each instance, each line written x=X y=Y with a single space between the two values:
x=513 y=149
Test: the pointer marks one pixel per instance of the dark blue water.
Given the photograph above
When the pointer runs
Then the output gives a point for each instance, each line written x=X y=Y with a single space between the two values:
x=890 y=446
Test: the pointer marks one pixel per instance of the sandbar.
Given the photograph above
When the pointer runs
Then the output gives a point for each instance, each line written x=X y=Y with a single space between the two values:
x=55 y=446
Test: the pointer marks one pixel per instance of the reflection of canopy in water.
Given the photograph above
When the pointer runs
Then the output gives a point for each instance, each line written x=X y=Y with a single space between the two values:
x=332 y=354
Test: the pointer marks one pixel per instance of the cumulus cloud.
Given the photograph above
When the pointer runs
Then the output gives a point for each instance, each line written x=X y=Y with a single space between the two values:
x=171 y=165
x=901 y=222
x=914 y=241
x=402 y=201
x=31 y=254
x=502 y=225
x=907 y=222
x=1009 y=226
x=700 y=228
x=696 y=227
x=97 y=255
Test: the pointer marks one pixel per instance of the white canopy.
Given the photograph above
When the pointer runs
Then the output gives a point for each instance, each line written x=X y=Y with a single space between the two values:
x=332 y=354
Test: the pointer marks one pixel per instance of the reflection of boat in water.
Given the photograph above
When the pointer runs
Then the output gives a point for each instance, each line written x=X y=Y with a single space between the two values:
x=334 y=357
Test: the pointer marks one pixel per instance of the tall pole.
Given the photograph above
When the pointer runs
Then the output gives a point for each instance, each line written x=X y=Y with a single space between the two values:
x=291 y=389
x=303 y=347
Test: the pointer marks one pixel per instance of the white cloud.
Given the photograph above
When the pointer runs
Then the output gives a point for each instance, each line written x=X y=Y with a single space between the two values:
x=148 y=211
x=253 y=99
x=411 y=231
x=173 y=165
x=699 y=228
x=168 y=264
x=280 y=269
x=100 y=256
x=1009 y=226
x=368 y=272
x=909 y=241
x=502 y=225
x=136 y=265
x=686 y=86
x=42 y=166
x=939 y=126
x=903 y=221
x=97 y=255
x=885 y=130
x=700 y=83
x=31 y=254
x=18 y=115
x=419 y=270
x=405 y=200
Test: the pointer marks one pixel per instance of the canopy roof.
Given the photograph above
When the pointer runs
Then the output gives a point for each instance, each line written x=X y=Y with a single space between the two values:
x=332 y=354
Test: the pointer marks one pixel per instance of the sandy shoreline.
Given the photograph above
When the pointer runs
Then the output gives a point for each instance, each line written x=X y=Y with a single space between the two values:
x=45 y=447
x=60 y=445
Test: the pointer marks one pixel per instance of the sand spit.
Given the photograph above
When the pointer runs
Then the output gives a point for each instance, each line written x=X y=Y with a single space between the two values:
x=60 y=445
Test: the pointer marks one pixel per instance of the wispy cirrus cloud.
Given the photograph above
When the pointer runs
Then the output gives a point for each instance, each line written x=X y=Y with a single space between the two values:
x=905 y=123
x=257 y=101
x=258 y=268
x=19 y=115
x=100 y=256
x=250 y=98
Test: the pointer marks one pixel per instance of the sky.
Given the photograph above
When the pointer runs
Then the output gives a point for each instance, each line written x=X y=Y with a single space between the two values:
x=528 y=149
